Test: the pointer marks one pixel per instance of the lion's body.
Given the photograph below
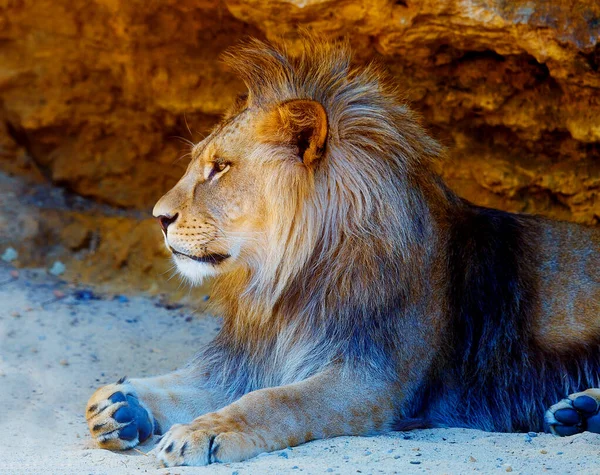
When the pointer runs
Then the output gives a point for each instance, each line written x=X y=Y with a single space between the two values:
x=358 y=292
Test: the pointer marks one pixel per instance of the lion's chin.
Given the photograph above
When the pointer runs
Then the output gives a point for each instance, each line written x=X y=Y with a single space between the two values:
x=193 y=271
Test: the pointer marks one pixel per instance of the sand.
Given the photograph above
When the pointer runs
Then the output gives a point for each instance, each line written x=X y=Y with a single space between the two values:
x=56 y=350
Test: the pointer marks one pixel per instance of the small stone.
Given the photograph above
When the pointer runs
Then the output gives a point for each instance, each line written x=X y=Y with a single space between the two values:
x=64 y=363
x=59 y=294
x=532 y=434
x=415 y=462
x=472 y=459
x=527 y=438
x=283 y=454
x=10 y=255
x=85 y=295
x=507 y=468
x=543 y=451
x=14 y=274
x=397 y=456
x=15 y=314
x=367 y=452
x=58 y=268
x=559 y=453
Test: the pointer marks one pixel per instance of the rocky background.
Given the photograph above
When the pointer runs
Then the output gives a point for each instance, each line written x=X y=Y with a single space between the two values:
x=98 y=100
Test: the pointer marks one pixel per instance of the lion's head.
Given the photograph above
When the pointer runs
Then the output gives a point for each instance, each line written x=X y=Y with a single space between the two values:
x=316 y=167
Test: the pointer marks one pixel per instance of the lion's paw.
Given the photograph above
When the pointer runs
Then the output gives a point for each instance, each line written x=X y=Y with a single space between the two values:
x=577 y=413
x=116 y=418
x=204 y=441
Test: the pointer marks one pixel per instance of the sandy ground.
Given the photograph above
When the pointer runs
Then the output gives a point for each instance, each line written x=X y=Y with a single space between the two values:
x=55 y=350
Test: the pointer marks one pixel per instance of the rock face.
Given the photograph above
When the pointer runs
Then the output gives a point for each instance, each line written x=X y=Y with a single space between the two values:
x=100 y=97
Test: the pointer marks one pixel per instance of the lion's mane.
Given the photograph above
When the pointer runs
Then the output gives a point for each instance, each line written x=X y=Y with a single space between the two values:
x=350 y=242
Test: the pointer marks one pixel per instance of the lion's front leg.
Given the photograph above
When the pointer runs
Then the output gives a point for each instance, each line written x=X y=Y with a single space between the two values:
x=126 y=413
x=325 y=405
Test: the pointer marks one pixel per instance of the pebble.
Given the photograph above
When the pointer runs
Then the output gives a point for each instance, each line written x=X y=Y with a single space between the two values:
x=283 y=454
x=527 y=438
x=58 y=268
x=59 y=294
x=64 y=363
x=10 y=255
x=121 y=298
x=368 y=452
x=415 y=462
x=507 y=468
x=472 y=459
x=85 y=295
x=543 y=451
x=15 y=314
x=14 y=274
x=532 y=434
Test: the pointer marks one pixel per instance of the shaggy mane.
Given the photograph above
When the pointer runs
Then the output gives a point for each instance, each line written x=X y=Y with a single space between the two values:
x=362 y=106
x=349 y=239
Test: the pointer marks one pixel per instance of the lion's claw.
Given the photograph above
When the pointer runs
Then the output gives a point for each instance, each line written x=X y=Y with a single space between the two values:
x=116 y=418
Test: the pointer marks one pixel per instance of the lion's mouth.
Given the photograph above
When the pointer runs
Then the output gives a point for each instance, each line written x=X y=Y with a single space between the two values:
x=214 y=258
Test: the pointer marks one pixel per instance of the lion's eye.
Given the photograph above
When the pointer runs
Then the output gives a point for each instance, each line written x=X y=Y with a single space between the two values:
x=216 y=169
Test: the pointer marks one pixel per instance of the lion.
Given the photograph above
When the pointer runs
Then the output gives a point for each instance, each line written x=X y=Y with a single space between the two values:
x=359 y=294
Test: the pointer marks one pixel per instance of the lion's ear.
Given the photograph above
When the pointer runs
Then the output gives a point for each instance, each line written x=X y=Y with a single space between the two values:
x=301 y=123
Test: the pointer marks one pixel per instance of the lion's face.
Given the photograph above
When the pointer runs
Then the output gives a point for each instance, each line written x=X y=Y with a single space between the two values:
x=214 y=211
x=217 y=217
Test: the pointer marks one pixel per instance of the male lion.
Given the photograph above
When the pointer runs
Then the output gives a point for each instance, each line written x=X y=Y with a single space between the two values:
x=359 y=294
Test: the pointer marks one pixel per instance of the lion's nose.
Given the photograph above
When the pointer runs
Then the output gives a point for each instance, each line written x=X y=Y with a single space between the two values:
x=165 y=220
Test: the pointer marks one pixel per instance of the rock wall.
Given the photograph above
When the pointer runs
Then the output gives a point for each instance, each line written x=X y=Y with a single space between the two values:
x=100 y=97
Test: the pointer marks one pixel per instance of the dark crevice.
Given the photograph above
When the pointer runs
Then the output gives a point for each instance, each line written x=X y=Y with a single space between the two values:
x=20 y=137
x=484 y=54
x=592 y=59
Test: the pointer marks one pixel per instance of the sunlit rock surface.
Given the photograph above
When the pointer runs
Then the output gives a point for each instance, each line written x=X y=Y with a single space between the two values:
x=99 y=97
